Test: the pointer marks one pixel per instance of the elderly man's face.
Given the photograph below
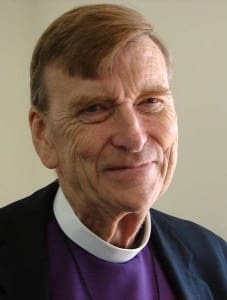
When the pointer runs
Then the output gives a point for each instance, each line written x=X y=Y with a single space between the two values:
x=113 y=140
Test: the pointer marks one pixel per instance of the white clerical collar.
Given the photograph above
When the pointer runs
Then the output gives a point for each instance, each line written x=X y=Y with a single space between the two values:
x=86 y=239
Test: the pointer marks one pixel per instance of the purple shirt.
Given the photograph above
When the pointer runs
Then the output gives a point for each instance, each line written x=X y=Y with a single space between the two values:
x=138 y=279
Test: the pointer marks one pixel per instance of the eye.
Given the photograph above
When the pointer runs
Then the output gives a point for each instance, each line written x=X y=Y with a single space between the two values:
x=151 y=100
x=95 y=113
x=94 y=108
x=150 y=105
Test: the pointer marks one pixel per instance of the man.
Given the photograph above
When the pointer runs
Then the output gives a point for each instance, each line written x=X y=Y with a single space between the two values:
x=103 y=117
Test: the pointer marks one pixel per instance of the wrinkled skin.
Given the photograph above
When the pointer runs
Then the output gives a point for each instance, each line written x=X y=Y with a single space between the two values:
x=112 y=141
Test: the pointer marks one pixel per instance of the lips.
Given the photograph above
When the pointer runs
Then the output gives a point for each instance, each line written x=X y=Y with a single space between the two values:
x=127 y=167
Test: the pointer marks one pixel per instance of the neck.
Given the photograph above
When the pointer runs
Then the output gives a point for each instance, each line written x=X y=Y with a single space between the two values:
x=121 y=231
x=118 y=228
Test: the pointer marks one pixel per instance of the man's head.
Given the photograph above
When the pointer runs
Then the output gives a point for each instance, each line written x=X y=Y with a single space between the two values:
x=86 y=42
x=103 y=114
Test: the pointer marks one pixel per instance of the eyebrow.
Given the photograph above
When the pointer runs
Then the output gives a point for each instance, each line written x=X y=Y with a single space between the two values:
x=81 y=101
x=157 y=91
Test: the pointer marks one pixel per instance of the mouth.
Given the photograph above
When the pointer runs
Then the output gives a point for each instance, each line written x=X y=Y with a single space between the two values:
x=131 y=174
x=132 y=167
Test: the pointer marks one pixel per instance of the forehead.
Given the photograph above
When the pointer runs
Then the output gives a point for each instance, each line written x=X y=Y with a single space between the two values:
x=143 y=54
x=139 y=67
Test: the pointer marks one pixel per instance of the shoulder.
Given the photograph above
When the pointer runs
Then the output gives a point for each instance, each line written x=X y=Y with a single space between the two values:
x=191 y=235
x=191 y=249
x=35 y=204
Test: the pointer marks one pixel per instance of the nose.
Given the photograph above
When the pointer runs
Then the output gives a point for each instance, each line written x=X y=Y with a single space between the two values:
x=129 y=131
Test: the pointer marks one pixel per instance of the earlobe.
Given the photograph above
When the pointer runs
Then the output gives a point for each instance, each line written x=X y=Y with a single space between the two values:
x=41 y=138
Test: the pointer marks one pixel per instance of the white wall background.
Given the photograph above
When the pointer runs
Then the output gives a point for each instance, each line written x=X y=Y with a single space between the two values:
x=196 y=33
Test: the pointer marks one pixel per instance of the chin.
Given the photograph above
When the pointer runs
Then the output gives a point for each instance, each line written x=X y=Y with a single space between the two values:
x=136 y=201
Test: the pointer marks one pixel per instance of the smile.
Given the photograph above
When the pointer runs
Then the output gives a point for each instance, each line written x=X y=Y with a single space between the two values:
x=130 y=169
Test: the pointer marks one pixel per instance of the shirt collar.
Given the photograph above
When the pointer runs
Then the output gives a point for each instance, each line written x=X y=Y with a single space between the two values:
x=86 y=239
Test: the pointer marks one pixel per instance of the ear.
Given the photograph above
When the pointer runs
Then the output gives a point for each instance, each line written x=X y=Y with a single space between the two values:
x=41 y=138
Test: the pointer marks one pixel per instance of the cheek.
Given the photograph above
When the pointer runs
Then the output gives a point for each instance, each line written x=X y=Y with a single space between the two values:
x=75 y=141
x=164 y=130
x=66 y=136
x=86 y=142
